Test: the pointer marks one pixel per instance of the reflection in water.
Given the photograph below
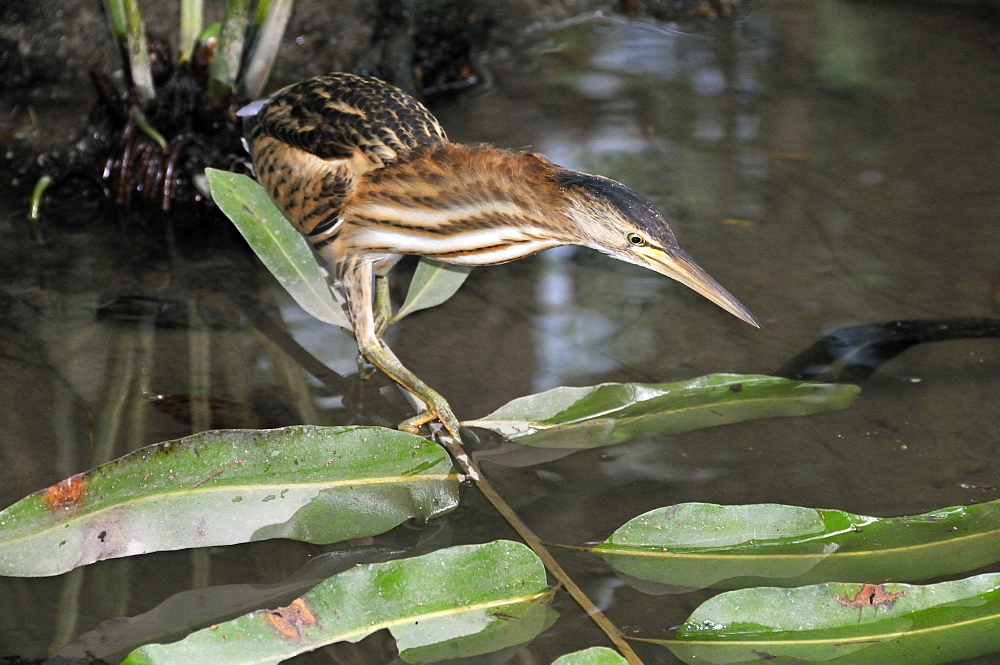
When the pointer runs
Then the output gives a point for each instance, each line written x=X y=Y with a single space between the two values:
x=565 y=334
x=822 y=190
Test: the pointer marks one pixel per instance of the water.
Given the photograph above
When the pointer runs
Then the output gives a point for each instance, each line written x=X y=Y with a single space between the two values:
x=864 y=189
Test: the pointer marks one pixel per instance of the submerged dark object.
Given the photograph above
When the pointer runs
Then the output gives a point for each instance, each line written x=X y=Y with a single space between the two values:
x=853 y=353
x=153 y=152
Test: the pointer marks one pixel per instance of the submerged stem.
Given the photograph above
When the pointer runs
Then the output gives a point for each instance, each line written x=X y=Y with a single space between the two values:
x=471 y=470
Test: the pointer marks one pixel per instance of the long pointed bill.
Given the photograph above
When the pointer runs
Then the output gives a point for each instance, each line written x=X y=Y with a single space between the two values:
x=677 y=265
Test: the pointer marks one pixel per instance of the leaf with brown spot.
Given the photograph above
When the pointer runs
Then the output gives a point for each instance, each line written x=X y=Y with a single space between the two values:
x=315 y=484
x=870 y=595
x=66 y=494
x=699 y=545
x=289 y=621
x=457 y=602
x=928 y=624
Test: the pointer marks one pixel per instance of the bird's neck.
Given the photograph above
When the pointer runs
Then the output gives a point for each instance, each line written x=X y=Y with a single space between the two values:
x=473 y=205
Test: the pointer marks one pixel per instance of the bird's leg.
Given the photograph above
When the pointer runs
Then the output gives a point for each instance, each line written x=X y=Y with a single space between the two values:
x=382 y=309
x=383 y=304
x=356 y=277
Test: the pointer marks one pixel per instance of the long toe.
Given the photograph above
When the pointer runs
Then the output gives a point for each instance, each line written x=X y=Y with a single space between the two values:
x=437 y=409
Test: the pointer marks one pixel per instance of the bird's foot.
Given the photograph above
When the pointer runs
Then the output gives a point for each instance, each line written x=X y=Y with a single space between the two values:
x=434 y=412
x=413 y=425
x=381 y=323
x=450 y=439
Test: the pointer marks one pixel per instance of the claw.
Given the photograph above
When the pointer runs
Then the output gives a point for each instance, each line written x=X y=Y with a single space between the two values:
x=414 y=423
x=437 y=409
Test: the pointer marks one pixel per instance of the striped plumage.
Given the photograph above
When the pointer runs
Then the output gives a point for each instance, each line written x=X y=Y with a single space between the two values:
x=312 y=143
x=368 y=175
x=458 y=204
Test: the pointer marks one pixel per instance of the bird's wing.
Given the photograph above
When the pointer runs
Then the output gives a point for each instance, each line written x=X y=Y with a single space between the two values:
x=347 y=116
x=312 y=141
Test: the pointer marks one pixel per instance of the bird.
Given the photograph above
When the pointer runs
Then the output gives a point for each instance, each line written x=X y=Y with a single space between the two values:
x=368 y=175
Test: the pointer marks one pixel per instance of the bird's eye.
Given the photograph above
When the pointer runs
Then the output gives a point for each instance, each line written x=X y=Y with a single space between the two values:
x=635 y=239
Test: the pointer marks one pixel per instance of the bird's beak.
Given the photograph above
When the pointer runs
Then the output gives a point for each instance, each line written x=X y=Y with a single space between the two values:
x=677 y=265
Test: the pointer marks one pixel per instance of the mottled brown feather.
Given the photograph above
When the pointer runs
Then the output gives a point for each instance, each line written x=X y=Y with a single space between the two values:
x=312 y=141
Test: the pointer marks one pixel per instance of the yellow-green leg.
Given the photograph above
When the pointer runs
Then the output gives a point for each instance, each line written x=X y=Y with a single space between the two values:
x=356 y=277
x=382 y=309
x=383 y=305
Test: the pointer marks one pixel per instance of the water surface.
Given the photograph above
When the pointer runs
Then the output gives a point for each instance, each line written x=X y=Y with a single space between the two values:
x=830 y=163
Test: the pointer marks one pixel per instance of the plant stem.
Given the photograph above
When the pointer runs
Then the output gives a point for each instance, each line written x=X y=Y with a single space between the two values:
x=229 y=52
x=130 y=33
x=270 y=20
x=143 y=123
x=471 y=470
x=190 y=28
x=35 y=209
x=119 y=27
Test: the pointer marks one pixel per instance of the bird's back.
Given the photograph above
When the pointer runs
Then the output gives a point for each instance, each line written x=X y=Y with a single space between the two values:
x=311 y=142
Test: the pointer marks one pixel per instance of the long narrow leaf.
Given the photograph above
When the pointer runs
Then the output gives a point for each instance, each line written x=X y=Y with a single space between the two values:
x=315 y=484
x=116 y=16
x=845 y=623
x=614 y=412
x=270 y=20
x=457 y=602
x=190 y=28
x=280 y=247
x=184 y=612
x=127 y=25
x=432 y=284
x=229 y=52
x=707 y=545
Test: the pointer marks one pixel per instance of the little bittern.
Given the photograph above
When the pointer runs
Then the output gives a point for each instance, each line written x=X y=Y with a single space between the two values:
x=368 y=175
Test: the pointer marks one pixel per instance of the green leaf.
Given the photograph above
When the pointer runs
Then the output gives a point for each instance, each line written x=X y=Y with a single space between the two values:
x=457 y=602
x=592 y=656
x=270 y=19
x=707 y=545
x=615 y=412
x=130 y=31
x=433 y=283
x=189 y=29
x=849 y=623
x=315 y=484
x=184 y=612
x=229 y=53
x=280 y=247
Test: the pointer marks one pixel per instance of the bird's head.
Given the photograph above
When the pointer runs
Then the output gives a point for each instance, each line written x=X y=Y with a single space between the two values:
x=621 y=223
